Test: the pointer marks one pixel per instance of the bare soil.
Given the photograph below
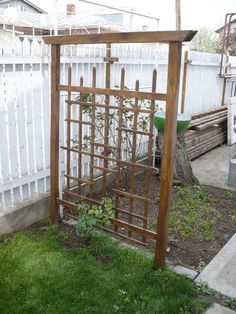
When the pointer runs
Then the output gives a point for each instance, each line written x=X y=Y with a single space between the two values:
x=193 y=250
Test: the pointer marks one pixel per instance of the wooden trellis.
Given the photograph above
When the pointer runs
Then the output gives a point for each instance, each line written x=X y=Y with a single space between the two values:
x=109 y=153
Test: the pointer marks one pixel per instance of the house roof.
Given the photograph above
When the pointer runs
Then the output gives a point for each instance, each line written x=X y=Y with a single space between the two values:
x=46 y=21
x=39 y=10
x=219 y=30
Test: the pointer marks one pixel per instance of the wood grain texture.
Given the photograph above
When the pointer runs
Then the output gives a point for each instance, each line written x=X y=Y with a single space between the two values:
x=168 y=151
x=54 y=156
x=112 y=92
x=128 y=37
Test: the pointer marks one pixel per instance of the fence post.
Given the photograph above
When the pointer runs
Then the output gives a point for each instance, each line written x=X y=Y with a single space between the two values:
x=186 y=62
x=174 y=66
x=55 y=112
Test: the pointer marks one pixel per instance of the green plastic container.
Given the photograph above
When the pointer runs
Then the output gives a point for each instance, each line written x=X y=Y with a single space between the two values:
x=183 y=121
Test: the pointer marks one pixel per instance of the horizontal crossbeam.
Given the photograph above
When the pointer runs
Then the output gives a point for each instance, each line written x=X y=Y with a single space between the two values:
x=112 y=92
x=119 y=38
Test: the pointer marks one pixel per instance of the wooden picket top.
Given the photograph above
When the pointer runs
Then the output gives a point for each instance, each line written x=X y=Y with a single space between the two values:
x=174 y=39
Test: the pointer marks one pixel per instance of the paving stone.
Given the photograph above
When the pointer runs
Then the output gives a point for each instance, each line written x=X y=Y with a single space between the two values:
x=219 y=309
x=220 y=273
x=178 y=269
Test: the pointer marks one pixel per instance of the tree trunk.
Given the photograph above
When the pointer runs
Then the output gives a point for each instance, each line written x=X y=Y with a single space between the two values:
x=183 y=173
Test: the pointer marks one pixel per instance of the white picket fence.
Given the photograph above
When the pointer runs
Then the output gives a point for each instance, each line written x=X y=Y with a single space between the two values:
x=25 y=101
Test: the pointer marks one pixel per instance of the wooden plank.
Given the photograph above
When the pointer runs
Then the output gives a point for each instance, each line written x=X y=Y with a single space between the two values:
x=174 y=66
x=192 y=154
x=68 y=131
x=131 y=195
x=133 y=159
x=124 y=236
x=184 y=81
x=144 y=232
x=119 y=38
x=202 y=136
x=112 y=92
x=205 y=113
x=54 y=157
x=115 y=107
x=119 y=145
x=150 y=151
x=106 y=114
x=209 y=124
x=92 y=133
x=207 y=118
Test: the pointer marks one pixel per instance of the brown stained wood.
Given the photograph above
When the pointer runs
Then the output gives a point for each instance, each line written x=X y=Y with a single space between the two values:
x=143 y=232
x=77 y=179
x=127 y=213
x=135 y=131
x=184 y=81
x=110 y=59
x=119 y=143
x=150 y=149
x=54 y=145
x=175 y=42
x=115 y=107
x=92 y=132
x=124 y=236
x=108 y=170
x=68 y=130
x=109 y=147
x=131 y=195
x=81 y=197
x=78 y=121
x=80 y=140
x=174 y=66
x=133 y=158
x=117 y=160
x=119 y=38
x=112 y=92
x=87 y=153
x=66 y=204
x=106 y=125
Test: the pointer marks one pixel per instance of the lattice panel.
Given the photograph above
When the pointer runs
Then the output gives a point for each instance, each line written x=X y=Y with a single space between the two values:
x=111 y=126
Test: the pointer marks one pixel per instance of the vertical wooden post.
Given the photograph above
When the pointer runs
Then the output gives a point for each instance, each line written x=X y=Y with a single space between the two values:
x=174 y=65
x=106 y=127
x=55 y=112
x=224 y=80
x=186 y=62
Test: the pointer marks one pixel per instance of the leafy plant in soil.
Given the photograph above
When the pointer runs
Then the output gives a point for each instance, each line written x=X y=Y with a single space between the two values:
x=94 y=216
x=192 y=214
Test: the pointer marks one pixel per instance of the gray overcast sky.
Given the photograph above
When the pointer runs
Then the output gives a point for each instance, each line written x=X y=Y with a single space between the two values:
x=195 y=13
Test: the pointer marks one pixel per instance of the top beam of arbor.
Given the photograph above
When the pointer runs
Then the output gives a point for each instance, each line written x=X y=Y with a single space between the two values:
x=122 y=38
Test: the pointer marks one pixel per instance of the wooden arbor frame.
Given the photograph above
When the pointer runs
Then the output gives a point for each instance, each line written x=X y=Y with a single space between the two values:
x=174 y=39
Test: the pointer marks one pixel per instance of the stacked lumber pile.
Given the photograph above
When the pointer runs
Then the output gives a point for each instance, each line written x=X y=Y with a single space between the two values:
x=206 y=131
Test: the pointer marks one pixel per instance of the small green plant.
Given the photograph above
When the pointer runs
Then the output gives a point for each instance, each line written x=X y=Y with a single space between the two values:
x=201 y=265
x=192 y=214
x=230 y=302
x=230 y=194
x=95 y=216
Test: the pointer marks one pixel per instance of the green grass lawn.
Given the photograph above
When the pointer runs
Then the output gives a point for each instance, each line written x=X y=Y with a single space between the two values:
x=41 y=275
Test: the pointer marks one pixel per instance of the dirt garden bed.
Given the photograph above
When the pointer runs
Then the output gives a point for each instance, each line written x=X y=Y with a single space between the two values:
x=201 y=221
